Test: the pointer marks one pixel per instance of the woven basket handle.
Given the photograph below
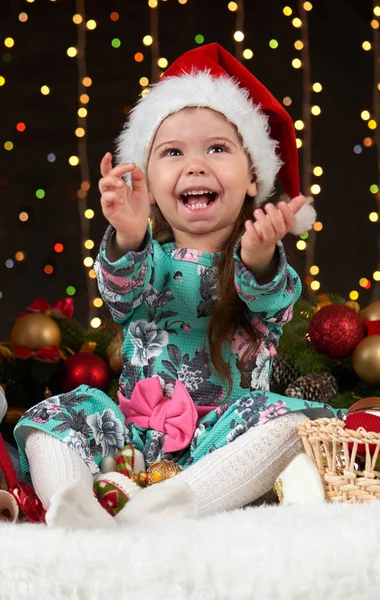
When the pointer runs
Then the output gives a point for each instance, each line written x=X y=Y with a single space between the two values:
x=364 y=404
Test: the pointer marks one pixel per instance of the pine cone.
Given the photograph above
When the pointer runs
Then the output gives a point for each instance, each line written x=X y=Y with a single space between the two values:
x=319 y=387
x=283 y=372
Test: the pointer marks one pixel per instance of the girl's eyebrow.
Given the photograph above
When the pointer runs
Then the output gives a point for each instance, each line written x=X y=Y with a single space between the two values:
x=171 y=142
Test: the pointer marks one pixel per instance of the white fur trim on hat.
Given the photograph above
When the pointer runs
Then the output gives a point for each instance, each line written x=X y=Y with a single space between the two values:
x=200 y=89
x=305 y=218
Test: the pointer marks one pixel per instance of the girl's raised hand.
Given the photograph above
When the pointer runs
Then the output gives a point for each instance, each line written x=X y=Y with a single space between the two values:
x=127 y=209
x=271 y=225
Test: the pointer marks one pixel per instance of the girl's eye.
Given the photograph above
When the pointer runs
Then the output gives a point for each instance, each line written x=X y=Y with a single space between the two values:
x=171 y=152
x=217 y=148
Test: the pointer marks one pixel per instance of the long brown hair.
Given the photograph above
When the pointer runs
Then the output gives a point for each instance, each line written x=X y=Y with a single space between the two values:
x=229 y=313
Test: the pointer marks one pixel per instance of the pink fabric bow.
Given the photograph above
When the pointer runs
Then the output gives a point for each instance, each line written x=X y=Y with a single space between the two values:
x=176 y=416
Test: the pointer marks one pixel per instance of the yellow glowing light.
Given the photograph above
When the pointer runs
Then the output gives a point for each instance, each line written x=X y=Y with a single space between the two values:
x=82 y=113
x=298 y=45
x=19 y=256
x=298 y=143
x=153 y=3
x=318 y=171
x=9 y=42
x=87 y=81
x=89 y=244
x=287 y=11
x=318 y=226
x=147 y=40
x=145 y=92
x=182 y=1
x=376 y=275
x=91 y=24
x=238 y=36
x=232 y=6
x=354 y=295
x=373 y=217
x=315 y=285
x=92 y=274
x=317 y=87
x=372 y=124
x=74 y=161
x=2 y=80
x=30 y=1
x=23 y=216
x=8 y=145
x=162 y=63
x=247 y=53
x=45 y=90
x=315 y=189
x=89 y=213
x=314 y=270
x=375 y=24
x=376 y=11
x=307 y=5
x=296 y=63
x=95 y=323
x=80 y=132
x=316 y=110
x=98 y=302
x=301 y=245
x=144 y=81
x=84 y=98
x=71 y=51
x=363 y=282
x=297 y=22
x=77 y=19
x=88 y=261
x=366 y=46
x=365 y=115
x=299 y=125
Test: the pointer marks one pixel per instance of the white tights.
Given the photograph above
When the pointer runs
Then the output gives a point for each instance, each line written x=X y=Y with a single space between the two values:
x=228 y=478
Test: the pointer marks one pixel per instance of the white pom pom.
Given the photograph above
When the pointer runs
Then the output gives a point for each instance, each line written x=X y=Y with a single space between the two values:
x=305 y=218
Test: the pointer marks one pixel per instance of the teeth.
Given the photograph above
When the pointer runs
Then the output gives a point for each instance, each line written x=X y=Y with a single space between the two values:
x=197 y=192
x=198 y=205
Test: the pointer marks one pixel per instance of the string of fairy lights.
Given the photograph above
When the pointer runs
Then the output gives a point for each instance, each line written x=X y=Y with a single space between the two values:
x=148 y=51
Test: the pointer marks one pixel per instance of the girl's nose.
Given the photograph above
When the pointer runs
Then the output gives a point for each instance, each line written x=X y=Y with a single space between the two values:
x=195 y=169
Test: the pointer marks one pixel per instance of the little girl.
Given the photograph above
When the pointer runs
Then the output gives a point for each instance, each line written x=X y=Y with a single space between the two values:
x=202 y=291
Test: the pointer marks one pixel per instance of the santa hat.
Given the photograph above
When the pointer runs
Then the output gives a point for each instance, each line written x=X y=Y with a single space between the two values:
x=211 y=77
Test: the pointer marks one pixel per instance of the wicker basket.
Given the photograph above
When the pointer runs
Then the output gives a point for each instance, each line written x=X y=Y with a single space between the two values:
x=346 y=477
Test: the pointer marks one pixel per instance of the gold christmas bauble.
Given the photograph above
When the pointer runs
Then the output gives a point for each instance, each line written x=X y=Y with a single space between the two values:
x=371 y=312
x=366 y=359
x=114 y=354
x=159 y=471
x=35 y=331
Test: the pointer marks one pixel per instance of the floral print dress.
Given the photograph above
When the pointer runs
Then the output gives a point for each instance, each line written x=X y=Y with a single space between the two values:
x=163 y=297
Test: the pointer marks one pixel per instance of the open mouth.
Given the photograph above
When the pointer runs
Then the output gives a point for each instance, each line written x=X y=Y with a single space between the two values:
x=198 y=199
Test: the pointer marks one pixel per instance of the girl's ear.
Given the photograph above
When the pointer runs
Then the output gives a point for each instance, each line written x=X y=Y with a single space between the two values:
x=252 y=188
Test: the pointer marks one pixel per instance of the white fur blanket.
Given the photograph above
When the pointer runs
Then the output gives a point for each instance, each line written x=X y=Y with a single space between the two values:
x=327 y=552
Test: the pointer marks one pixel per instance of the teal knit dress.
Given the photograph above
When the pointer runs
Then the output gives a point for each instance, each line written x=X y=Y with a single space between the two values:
x=172 y=403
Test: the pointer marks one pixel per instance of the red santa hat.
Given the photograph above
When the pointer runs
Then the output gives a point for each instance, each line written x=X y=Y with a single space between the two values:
x=211 y=77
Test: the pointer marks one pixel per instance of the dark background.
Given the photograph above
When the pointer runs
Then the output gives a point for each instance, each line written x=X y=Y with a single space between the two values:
x=346 y=248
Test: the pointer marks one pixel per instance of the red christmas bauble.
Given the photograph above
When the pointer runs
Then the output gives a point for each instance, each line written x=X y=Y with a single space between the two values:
x=336 y=330
x=85 y=368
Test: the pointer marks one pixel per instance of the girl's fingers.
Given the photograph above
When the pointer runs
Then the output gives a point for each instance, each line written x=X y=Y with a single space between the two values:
x=252 y=233
x=138 y=180
x=288 y=215
x=296 y=204
x=106 y=164
x=265 y=225
x=277 y=220
x=110 y=183
x=109 y=199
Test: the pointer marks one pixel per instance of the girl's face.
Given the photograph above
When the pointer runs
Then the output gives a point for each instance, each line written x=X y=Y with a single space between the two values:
x=198 y=174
